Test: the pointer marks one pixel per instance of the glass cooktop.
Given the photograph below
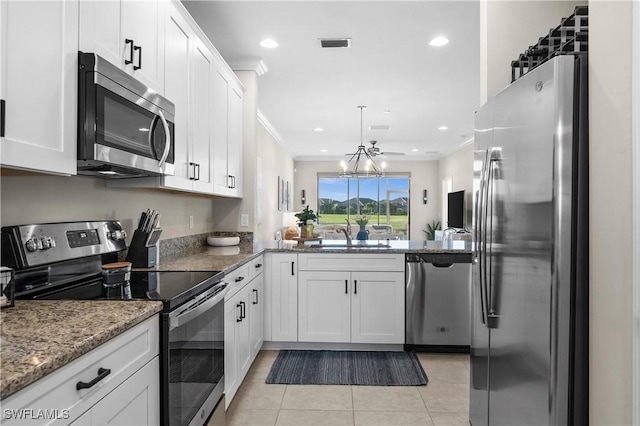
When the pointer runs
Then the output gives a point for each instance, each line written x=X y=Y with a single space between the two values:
x=171 y=287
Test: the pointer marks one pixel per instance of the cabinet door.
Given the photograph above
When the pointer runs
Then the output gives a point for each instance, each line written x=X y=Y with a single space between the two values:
x=243 y=337
x=324 y=306
x=221 y=180
x=283 y=286
x=106 y=25
x=201 y=124
x=142 y=23
x=377 y=307
x=134 y=402
x=235 y=142
x=178 y=41
x=255 y=314
x=38 y=82
x=101 y=31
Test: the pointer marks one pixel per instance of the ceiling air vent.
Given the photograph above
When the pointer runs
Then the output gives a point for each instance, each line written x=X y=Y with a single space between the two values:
x=327 y=43
x=380 y=127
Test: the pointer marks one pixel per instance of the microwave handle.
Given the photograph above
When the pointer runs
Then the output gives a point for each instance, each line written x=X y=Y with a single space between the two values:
x=167 y=145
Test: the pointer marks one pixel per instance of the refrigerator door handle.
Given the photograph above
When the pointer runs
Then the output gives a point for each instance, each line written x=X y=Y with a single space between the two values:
x=479 y=245
x=493 y=161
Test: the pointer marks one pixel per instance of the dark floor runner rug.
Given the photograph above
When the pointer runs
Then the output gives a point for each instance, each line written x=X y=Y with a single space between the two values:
x=370 y=368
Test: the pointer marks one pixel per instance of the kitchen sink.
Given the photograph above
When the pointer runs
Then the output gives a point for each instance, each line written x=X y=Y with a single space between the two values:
x=359 y=245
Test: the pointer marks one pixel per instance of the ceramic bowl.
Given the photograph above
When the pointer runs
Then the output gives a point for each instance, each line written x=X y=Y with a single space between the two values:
x=223 y=241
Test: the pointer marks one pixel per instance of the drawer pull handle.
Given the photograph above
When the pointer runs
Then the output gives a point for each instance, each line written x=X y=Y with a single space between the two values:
x=239 y=279
x=256 y=292
x=102 y=373
x=258 y=265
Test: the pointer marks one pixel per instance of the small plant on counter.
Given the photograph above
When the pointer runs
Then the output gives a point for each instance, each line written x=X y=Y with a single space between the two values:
x=431 y=229
x=305 y=215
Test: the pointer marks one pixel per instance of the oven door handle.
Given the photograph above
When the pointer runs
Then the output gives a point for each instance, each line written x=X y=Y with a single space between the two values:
x=195 y=308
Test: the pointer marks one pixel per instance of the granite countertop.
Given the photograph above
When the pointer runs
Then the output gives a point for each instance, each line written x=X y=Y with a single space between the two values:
x=227 y=259
x=37 y=337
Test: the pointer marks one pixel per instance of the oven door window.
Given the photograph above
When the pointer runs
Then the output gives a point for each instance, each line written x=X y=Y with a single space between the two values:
x=196 y=363
x=123 y=125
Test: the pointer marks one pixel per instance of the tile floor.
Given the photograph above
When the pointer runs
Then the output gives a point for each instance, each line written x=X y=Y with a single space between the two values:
x=444 y=401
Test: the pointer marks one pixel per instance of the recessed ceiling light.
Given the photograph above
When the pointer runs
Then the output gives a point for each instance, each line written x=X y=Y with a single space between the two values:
x=415 y=150
x=318 y=129
x=439 y=41
x=443 y=128
x=269 y=43
x=386 y=111
x=143 y=129
x=323 y=150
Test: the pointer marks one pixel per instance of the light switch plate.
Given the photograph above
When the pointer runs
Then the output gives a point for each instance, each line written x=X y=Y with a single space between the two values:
x=244 y=220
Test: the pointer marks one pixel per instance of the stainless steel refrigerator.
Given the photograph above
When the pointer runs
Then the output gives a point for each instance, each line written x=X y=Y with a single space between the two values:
x=529 y=327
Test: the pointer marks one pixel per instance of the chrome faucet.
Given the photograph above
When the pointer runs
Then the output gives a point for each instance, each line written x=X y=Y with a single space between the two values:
x=346 y=234
x=447 y=233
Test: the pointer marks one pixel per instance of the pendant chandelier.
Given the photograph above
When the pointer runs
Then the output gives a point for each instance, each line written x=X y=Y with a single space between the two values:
x=361 y=163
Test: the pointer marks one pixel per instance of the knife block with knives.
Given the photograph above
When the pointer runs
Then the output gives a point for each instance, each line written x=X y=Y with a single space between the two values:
x=143 y=249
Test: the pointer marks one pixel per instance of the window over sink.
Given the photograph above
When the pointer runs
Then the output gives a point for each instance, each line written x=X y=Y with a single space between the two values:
x=383 y=201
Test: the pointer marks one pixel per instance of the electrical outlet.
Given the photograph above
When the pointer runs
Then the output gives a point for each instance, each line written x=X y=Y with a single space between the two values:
x=191 y=222
x=244 y=220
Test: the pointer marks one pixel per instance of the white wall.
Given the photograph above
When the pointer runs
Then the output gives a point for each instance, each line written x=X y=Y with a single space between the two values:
x=610 y=204
x=510 y=28
x=276 y=162
x=459 y=166
x=34 y=198
x=424 y=175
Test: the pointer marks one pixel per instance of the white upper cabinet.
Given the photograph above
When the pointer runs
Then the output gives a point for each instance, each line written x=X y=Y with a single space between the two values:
x=127 y=33
x=228 y=134
x=38 y=85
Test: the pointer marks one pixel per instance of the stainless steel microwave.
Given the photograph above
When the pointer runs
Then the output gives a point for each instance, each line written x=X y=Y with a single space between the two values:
x=125 y=129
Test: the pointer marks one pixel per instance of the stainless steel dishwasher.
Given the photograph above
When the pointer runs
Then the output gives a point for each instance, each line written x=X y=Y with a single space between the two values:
x=437 y=301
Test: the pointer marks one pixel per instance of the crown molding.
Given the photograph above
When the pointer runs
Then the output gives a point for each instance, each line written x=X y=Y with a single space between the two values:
x=248 y=64
x=264 y=121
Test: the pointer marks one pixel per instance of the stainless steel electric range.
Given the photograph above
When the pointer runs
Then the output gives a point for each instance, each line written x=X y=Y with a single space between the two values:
x=64 y=261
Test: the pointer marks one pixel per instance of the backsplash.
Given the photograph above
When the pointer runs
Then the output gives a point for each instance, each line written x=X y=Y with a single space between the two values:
x=192 y=244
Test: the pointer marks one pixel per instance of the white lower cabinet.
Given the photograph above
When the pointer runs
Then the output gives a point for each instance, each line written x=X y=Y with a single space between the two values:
x=351 y=307
x=119 y=383
x=351 y=298
x=243 y=325
x=134 y=402
x=281 y=294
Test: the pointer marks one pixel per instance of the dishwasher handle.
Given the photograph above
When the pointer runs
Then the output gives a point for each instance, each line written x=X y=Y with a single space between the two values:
x=442 y=265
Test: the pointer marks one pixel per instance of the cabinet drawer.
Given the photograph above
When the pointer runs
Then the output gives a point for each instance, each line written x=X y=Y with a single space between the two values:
x=237 y=279
x=122 y=355
x=257 y=266
x=351 y=262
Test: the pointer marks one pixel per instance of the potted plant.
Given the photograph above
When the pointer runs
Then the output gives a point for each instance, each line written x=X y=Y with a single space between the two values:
x=431 y=229
x=362 y=220
x=305 y=220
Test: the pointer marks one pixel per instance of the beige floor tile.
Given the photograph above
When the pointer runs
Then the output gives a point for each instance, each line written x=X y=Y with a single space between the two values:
x=450 y=419
x=260 y=368
x=387 y=398
x=314 y=417
x=395 y=418
x=251 y=417
x=317 y=397
x=446 y=371
x=446 y=397
x=258 y=396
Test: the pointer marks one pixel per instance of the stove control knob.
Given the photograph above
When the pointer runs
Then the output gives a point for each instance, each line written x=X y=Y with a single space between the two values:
x=31 y=245
x=117 y=235
x=46 y=243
